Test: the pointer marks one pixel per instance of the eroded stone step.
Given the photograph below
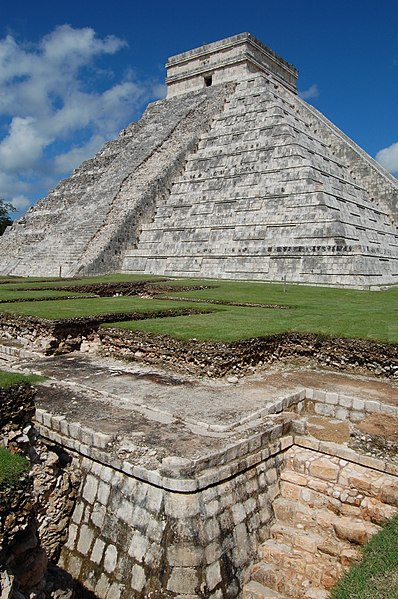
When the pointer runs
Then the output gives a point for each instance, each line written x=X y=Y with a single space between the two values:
x=255 y=590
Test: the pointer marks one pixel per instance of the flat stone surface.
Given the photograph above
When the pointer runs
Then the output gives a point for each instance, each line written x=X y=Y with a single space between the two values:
x=154 y=413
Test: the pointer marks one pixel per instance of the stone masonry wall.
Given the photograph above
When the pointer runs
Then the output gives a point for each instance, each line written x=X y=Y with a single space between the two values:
x=34 y=514
x=296 y=507
x=189 y=530
x=129 y=538
x=331 y=502
x=147 y=188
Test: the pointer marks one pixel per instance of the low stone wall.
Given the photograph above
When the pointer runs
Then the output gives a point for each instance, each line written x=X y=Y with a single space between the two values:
x=194 y=528
x=343 y=406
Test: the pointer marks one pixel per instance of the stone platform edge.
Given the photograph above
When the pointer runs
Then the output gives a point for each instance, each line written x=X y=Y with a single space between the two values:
x=189 y=476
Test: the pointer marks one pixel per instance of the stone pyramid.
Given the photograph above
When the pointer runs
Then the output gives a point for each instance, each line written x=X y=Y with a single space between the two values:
x=231 y=176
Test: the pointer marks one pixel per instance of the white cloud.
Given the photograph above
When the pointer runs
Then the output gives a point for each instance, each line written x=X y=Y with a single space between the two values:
x=20 y=202
x=51 y=118
x=311 y=92
x=69 y=160
x=388 y=157
x=24 y=144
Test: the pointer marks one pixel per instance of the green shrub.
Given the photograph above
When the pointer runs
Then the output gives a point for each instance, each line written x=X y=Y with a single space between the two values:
x=12 y=467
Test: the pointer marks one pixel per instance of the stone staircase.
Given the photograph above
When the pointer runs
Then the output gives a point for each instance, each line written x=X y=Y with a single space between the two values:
x=264 y=194
x=307 y=550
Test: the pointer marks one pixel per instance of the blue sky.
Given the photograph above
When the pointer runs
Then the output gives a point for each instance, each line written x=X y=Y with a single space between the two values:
x=72 y=74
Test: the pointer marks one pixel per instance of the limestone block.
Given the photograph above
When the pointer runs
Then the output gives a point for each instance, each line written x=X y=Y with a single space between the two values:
x=86 y=536
x=213 y=575
x=138 y=546
x=138 y=578
x=155 y=529
x=184 y=555
x=98 y=515
x=354 y=532
x=102 y=586
x=389 y=493
x=90 y=488
x=103 y=492
x=181 y=506
x=98 y=551
x=324 y=469
x=115 y=591
x=183 y=580
x=110 y=558
x=154 y=499
x=125 y=511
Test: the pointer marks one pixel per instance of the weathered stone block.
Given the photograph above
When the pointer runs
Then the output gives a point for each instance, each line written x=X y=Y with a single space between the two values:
x=185 y=555
x=90 y=488
x=98 y=551
x=324 y=469
x=86 y=536
x=138 y=546
x=138 y=578
x=110 y=558
x=183 y=580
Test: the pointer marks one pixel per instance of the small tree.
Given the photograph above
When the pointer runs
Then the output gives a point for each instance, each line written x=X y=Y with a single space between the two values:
x=5 y=219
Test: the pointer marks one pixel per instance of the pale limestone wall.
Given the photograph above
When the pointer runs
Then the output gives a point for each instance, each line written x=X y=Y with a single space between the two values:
x=129 y=538
x=147 y=187
x=344 y=407
x=140 y=533
x=296 y=507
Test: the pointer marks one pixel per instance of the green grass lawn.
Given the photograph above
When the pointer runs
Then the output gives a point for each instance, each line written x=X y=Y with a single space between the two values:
x=376 y=576
x=7 y=294
x=322 y=310
x=337 y=312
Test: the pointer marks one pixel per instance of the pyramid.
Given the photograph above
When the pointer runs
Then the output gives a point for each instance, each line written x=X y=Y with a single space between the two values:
x=231 y=176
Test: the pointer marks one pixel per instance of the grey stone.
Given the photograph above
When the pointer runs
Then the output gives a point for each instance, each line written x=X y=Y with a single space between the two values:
x=98 y=551
x=137 y=578
x=86 y=536
x=90 y=488
x=183 y=580
x=110 y=558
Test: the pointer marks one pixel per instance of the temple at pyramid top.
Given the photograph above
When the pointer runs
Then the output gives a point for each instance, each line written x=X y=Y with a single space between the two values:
x=229 y=59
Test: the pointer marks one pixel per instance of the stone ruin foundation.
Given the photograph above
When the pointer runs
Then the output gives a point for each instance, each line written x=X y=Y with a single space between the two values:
x=254 y=487
x=279 y=507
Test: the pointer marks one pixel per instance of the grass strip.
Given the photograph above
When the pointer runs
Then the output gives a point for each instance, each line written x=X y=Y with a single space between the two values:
x=7 y=379
x=376 y=575
x=335 y=312
x=7 y=295
x=85 y=307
